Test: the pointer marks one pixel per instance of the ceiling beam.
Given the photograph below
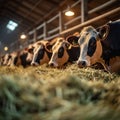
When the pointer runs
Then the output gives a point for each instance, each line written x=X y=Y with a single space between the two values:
x=19 y=8
x=57 y=8
x=17 y=18
x=38 y=11
x=20 y=14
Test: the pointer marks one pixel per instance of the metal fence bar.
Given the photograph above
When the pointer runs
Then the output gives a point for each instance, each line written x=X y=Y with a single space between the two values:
x=92 y=20
x=53 y=30
x=92 y=11
x=40 y=36
x=53 y=18
x=53 y=36
x=40 y=26
x=101 y=6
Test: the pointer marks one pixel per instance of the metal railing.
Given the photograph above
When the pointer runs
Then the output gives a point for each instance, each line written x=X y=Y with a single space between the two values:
x=59 y=30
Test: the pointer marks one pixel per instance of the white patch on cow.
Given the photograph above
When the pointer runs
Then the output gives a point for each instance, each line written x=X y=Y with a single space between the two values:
x=36 y=51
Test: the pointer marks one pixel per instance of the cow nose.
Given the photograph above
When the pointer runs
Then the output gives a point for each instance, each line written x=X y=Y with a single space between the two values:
x=51 y=64
x=81 y=63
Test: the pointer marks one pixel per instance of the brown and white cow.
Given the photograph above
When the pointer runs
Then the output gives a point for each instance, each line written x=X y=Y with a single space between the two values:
x=6 y=59
x=1 y=60
x=102 y=46
x=64 y=51
x=22 y=57
x=42 y=52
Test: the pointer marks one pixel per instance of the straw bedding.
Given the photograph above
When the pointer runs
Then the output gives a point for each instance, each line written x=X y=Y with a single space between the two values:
x=43 y=93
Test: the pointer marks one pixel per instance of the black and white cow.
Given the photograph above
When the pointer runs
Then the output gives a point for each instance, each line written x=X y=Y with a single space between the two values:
x=21 y=57
x=65 y=50
x=42 y=52
x=102 y=46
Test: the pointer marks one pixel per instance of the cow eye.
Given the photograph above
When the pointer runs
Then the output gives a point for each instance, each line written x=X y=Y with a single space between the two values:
x=30 y=50
x=60 y=52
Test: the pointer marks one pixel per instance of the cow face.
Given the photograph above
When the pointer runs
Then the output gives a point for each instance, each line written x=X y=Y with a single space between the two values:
x=41 y=53
x=90 y=47
x=29 y=51
x=6 y=59
x=14 y=59
x=59 y=53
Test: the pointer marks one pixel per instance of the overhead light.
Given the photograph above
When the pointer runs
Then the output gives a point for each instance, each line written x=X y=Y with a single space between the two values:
x=11 y=25
x=23 y=36
x=69 y=13
x=5 y=48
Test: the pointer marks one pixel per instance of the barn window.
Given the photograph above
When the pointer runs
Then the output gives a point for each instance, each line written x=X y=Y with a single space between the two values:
x=11 y=25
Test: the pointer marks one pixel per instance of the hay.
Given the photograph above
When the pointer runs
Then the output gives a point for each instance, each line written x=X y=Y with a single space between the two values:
x=58 y=94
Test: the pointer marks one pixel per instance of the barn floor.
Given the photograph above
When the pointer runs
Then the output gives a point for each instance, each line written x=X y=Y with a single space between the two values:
x=43 y=93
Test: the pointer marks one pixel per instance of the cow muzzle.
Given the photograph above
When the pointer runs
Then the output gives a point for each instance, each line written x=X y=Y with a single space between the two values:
x=34 y=64
x=52 y=64
x=82 y=63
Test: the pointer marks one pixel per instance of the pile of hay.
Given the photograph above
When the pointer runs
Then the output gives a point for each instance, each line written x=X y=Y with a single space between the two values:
x=43 y=93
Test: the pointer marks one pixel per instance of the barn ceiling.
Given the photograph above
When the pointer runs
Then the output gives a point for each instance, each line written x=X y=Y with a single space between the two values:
x=27 y=13
x=30 y=13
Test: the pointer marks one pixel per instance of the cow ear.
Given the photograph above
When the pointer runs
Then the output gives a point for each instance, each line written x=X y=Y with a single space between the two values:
x=73 y=40
x=77 y=34
x=48 y=47
x=26 y=49
x=30 y=50
x=103 y=32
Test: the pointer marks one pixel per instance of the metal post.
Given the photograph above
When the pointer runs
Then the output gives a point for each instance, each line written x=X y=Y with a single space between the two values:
x=84 y=10
x=60 y=22
x=45 y=30
x=35 y=35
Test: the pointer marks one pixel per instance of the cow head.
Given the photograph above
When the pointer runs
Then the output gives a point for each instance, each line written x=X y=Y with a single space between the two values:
x=42 y=52
x=14 y=60
x=90 y=47
x=29 y=50
x=59 y=53
x=6 y=59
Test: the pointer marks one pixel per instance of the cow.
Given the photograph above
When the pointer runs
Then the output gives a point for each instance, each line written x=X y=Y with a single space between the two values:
x=100 y=46
x=2 y=60
x=42 y=52
x=5 y=59
x=64 y=51
x=22 y=57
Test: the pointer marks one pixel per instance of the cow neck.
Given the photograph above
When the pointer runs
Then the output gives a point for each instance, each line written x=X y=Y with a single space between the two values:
x=108 y=52
x=111 y=44
x=73 y=53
